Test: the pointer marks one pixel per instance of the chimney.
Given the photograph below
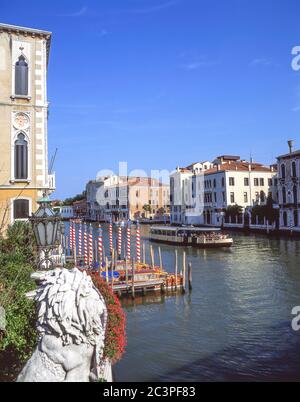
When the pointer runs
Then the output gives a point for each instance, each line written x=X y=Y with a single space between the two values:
x=291 y=145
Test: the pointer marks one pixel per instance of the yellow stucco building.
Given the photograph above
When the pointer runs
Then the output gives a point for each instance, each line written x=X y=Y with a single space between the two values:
x=24 y=55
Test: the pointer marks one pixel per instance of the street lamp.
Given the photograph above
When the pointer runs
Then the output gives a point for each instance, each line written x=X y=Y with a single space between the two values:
x=45 y=224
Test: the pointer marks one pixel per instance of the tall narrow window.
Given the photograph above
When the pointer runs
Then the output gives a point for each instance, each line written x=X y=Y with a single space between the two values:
x=283 y=171
x=21 y=77
x=283 y=195
x=294 y=170
x=21 y=158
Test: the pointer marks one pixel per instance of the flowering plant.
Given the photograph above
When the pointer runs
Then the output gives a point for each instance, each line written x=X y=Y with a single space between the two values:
x=115 y=338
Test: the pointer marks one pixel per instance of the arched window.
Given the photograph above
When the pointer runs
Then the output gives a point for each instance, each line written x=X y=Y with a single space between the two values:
x=294 y=170
x=21 y=77
x=283 y=195
x=21 y=158
x=283 y=171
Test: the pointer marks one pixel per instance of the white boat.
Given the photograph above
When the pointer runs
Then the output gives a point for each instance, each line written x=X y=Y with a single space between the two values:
x=190 y=236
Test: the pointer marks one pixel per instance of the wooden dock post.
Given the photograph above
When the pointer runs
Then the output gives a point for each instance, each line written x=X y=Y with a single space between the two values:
x=106 y=269
x=152 y=256
x=183 y=271
x=176 y=268
x=160 y=259
x=126 y=270
x=190 y=276
x=144 y=253
x=112 y=269
x=132 y=280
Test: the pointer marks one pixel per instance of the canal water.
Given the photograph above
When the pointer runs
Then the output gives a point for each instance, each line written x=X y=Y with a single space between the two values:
x=234 y=325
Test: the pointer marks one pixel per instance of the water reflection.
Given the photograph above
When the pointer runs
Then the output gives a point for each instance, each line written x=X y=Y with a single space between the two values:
x=235 y=325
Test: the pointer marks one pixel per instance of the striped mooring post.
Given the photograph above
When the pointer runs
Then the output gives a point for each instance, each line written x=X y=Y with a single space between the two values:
x=91 y=246
x=128 y=250
x=110 y=230
x=138 y=243
x=100 y=245
x=119 y=241
x=71 y=235
x=80 y=240
x=85 y=247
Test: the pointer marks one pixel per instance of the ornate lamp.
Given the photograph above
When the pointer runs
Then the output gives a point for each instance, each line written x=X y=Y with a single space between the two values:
x=45 y=224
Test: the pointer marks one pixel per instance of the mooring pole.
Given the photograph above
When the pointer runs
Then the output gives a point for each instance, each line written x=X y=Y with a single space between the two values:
x=176 y=268
x=126 y=270
x=190 y=276
x=144 y=253
x=184 y=271
x=106 y=269
x=132 y=279
x=160 y=258
x=152 y=256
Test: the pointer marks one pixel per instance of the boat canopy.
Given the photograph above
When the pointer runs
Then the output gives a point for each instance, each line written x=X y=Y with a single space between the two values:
x=189 y=229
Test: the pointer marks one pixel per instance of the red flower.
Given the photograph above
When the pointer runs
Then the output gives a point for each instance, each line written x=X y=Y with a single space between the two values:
x=115 y=339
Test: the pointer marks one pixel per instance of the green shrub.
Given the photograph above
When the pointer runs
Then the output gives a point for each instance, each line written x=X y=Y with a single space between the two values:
x=17 y=253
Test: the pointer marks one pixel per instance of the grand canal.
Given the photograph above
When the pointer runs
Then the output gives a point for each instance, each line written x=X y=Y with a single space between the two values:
x=235 y=325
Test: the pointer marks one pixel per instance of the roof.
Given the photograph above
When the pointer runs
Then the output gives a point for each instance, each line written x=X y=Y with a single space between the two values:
x=238 y=166
x=18 y=29
x=229 y=157
x=289 y=155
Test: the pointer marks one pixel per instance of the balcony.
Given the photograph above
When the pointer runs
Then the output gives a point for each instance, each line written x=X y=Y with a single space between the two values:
x=51 y=182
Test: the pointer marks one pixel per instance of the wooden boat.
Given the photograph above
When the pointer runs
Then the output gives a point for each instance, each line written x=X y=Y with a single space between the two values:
x=146 y=278
x=190 y=236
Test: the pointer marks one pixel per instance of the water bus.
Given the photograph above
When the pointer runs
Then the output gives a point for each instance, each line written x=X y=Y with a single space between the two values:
x=204 y=237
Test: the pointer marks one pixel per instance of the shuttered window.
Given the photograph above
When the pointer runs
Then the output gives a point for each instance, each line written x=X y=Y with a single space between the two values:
x=21 y=209
x=21 y=158
x=21 y=77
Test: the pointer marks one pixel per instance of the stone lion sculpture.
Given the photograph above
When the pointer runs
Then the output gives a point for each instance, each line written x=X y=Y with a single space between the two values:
x=71 y=322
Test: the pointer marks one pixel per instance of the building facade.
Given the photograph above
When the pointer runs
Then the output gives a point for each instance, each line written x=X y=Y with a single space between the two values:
x=288 y=189
x=229 y=181
x=119 y=198
x=24 y=55
x=94 y=210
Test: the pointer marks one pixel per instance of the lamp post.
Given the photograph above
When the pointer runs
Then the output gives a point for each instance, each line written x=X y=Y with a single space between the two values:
x=46 y=228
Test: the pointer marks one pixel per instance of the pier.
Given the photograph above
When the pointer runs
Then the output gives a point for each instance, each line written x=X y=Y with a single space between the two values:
x=124 y=273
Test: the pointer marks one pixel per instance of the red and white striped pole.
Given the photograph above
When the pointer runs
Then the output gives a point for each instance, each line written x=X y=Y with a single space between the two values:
x=128 y=252
x=85 y=247
x=111 y=246
x=71 y=235
x=119 y=241
x=74 y=237
x=91 y=246
x=138 y=243
x=100 y=246
x=80 y=240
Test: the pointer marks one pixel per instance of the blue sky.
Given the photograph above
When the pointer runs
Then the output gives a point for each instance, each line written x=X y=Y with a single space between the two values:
x=161 y=83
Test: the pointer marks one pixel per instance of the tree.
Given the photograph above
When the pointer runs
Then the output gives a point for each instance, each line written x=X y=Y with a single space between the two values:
x=265 y=211
x=18 y=339
x=147 y=208
x=233 y=211
x=78 y=197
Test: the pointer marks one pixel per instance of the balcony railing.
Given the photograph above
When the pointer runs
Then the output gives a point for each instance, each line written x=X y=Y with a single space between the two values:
x=51 y=182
